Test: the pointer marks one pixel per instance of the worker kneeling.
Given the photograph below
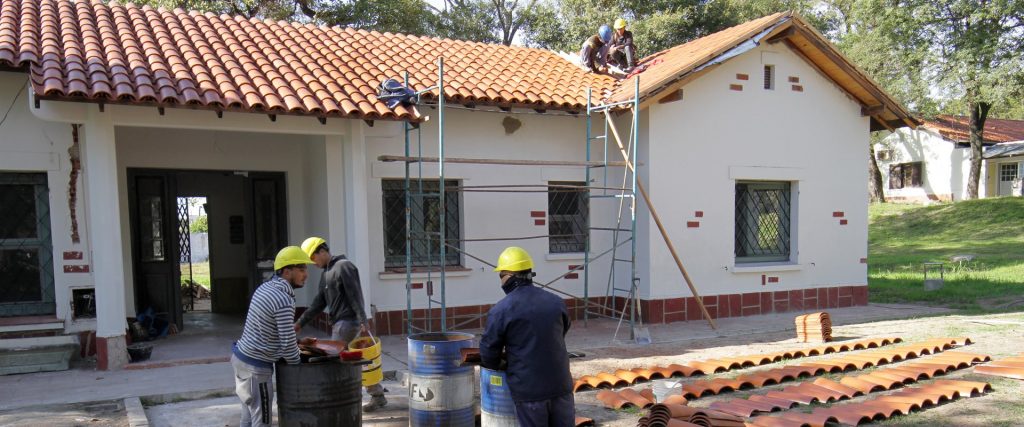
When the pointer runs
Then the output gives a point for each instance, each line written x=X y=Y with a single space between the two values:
x=529 y=325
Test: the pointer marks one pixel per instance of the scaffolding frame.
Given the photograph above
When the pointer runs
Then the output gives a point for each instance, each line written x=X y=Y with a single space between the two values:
x=624 y=194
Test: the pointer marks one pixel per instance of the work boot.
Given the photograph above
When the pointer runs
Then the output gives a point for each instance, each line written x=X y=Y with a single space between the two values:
x=376 y=402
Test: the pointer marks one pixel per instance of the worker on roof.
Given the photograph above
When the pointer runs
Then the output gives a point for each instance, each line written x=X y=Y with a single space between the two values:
x=268 y=335
x=622 y=52
x=528 y=325
x=340 y=292
x=594 y=53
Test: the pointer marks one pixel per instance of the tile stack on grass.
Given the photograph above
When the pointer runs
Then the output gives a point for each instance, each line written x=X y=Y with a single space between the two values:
x=1011 y=367
x=814 y=327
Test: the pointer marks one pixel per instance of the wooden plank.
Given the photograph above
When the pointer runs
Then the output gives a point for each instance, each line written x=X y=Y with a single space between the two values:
x=503 y=162
x=872 y=110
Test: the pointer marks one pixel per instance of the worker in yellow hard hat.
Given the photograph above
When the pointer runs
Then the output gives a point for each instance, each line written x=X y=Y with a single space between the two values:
x=341 y=292
x=268 y=336
x=529 y=325
x=622 y=52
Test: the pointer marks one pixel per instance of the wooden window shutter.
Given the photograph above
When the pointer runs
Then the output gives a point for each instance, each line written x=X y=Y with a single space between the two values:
x=915 y=174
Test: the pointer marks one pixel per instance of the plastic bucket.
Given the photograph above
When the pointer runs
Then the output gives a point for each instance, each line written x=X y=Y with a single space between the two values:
x=370 y=346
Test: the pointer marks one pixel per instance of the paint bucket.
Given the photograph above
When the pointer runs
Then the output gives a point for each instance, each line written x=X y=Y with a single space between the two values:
x=440 y=389
x=370 y=346
x=664 y=388
x=496 y=406
x=319 y=394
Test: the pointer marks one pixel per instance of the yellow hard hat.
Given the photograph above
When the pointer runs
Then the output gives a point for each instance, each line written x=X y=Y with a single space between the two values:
x=290 y=255
x=514 y=258
x=310 y=245
x=620 y=24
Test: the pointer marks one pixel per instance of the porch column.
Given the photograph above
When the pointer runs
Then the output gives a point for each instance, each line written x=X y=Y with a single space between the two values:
x=334 y=147
x=357 y=233
x=100 y=170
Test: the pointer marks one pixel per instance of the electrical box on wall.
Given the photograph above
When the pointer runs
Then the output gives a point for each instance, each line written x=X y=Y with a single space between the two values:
x=83 y=303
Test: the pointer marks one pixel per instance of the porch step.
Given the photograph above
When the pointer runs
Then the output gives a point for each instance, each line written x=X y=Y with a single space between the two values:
x=40 y=354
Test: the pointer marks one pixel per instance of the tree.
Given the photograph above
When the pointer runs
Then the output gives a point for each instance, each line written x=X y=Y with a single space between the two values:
x=200 y=225
x=976 y=55
x=415 y=17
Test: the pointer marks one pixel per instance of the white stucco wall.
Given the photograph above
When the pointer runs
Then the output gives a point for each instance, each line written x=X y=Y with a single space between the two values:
x=28 y=144
x=701 y=145
x=476 y=134
x=944 y=172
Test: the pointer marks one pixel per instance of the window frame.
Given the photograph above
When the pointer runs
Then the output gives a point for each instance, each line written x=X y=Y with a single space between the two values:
x=742 y=223
x=425 y=254
x=900 y=173
x=41 y=242
x=579 y=222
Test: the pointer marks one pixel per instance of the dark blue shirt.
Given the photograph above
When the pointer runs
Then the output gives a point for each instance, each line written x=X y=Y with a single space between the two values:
x=529 y=324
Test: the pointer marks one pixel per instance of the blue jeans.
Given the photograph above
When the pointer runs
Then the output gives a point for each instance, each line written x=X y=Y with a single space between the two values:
x=555 y=412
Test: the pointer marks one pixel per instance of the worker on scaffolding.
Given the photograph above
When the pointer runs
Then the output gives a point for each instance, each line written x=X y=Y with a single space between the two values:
x=268 y=336
x=594 y=53
x=527 y=327
x=622 y=52
x=340 y=291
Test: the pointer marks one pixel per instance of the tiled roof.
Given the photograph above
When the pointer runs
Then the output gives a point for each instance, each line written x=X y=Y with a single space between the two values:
x=113 y=53
x=957 y=129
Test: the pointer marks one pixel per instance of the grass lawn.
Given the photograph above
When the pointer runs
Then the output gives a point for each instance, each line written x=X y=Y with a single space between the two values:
x=901 y=237
x=200 y=273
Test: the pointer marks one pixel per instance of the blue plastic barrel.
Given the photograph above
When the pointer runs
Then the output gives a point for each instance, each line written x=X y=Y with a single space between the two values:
x=496 y=406
x=440 y=391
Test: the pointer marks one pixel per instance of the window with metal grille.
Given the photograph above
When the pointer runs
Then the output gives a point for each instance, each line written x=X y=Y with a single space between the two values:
x=769 y=77
x=26 y=252
x=567 y=217
x=1008 y=172
x=763 y=221
x=905 y=175
x=424 y=222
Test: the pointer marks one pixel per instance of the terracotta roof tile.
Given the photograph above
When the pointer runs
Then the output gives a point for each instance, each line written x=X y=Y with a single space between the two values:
x=957 y=129
x=122 y=53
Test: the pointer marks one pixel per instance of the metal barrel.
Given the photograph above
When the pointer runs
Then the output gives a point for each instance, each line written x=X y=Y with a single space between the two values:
x=496 y=406
x=440 y=391
x=319 y=394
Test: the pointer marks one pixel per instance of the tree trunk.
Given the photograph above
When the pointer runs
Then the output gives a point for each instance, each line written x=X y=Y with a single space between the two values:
x=979 y=113
x=876 y=190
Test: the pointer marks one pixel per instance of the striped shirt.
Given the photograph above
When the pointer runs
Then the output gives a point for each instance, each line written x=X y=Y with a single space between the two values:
x=269 y=332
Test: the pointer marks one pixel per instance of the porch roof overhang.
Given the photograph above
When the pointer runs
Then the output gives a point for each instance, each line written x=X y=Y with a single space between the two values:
x=1008 y=149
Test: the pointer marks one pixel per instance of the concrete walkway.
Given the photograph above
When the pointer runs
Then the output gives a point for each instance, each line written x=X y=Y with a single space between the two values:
x=195 y=381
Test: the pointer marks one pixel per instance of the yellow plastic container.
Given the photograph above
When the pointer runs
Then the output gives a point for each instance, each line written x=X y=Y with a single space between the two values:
x=372 y=373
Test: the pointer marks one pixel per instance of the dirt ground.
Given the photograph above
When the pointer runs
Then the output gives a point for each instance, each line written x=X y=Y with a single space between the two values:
x=995 y=335
x=93 y=414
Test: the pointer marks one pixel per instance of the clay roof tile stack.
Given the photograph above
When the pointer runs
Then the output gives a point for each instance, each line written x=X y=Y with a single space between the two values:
x=900 y=403
x=623 y=378
x=814 y=327
x=1011 y=367
x=668 y=415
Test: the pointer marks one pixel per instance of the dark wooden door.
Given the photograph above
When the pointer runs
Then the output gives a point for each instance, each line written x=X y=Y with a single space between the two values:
x=269 y=230
x=154 y=222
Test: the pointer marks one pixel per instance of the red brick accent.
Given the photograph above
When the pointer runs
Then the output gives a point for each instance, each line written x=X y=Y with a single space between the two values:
x=655 y=311
x=576 y=268
x=838 y=214
x=76 y=268
x=843 y=222
x=736 y=87
x=692 y=224
x=773 y=279
x=742 y=77
x=764 y=279
x=538 y=214
x=72 y=255
x=87 y=343
x=571 y=276
x=539 y=222
x=102 y=359
x=794 y=79
x=863 y=260
x=699 y=214
x=798 y=88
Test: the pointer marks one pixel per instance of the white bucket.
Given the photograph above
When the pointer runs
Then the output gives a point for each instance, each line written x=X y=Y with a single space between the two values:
x=664 y=388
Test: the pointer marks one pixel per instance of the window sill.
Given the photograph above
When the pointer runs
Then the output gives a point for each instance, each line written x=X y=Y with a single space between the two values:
x=422 y=274
x=765 y=267
x=567 y=256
